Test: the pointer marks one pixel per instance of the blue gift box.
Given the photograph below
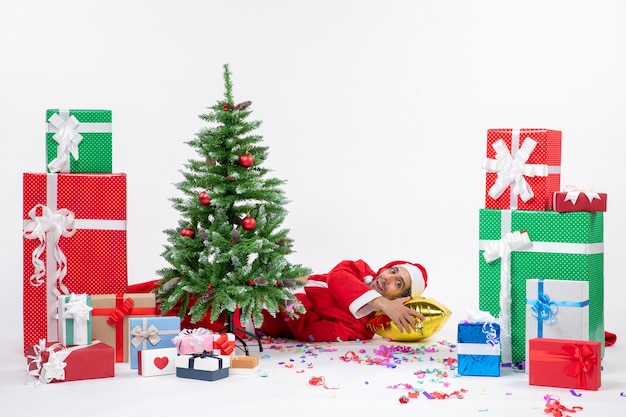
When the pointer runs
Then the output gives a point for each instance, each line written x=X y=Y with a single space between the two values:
x=205 y=366
x=150 y=333
x=478 y=349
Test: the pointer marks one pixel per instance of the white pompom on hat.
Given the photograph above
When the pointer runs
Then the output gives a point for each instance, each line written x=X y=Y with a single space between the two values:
x=419 y=277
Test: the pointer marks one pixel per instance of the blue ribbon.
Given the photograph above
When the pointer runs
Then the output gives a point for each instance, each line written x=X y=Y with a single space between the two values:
x=545 y=309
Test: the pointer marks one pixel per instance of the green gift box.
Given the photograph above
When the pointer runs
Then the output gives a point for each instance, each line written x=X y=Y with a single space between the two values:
x=79 y=141
x=560 y=246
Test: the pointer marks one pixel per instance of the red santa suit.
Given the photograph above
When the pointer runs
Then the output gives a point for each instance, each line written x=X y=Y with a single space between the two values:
x=336 y=306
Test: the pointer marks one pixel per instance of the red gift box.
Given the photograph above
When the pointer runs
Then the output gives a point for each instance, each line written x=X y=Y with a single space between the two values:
x=523 y=168
x=75 y=241
x=579 y=199
x=564 y=363
x=53 y=362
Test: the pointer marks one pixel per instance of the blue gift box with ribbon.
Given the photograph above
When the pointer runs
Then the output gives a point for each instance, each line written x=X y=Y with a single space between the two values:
x=150 y=333
x=205 y=366
x=478 y=349
x=557 y=309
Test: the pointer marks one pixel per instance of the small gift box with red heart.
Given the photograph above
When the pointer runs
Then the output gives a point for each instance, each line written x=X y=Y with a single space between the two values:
x=565 y=363
x=156 y=362
x=205 y=366
x=224 y=344
x=196 y=340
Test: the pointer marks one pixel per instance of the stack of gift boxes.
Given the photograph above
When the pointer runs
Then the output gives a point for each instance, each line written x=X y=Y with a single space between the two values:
x=540 y=264
x=76 y=307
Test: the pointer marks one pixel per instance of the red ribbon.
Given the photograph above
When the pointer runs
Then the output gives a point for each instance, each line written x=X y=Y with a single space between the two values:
x=226 y=346
x=116 y=316
x=581 y=359
x=556 y=408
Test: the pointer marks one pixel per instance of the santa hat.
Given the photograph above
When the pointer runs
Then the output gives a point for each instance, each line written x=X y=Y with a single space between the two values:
x=419 y=277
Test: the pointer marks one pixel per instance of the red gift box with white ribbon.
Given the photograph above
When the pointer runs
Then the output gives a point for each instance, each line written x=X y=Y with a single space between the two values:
x=74 y=241
x=523 y=168
x=579 y=198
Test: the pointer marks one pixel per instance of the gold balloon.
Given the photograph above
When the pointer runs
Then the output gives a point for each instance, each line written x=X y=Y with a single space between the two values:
x=435 y=313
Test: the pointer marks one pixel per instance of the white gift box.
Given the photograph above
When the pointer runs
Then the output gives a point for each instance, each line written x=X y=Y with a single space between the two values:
x=156 y=362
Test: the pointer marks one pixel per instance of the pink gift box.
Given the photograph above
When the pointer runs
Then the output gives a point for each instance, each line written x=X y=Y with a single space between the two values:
x=523 y=168
x=196 y=340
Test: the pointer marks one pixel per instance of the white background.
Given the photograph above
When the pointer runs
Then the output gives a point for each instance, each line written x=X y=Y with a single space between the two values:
x=374 y=112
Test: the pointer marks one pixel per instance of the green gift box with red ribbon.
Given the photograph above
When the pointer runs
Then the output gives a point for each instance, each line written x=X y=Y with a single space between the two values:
x=564 y=363
x=79 y=141
x=518 y=245
x=74 y=228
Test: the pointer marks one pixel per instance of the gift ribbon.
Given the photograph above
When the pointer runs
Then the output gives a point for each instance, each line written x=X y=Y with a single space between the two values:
x=40 y=372
x=203 y=355
x=56 y=263
x=117 y=318
x=578 y=360
x=505 y=270
x=491 y=335
x=194 y=337
x=544 y=309
x=48 y=229
x=78 y=310
x=223 y=343
x=67 y=138
x=502 y=249
x=556 y=408
x=142 y=336
x=574 y=191
x=511 y=168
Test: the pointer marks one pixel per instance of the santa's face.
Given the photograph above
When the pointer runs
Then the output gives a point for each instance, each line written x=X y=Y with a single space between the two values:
x=392 y=282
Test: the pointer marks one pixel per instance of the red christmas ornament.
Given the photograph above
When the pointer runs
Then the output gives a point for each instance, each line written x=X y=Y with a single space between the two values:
x=204 y=198
x=188 y=232
x=248 y=223
x=209 y=286
x=231 y=179
x=246 y=160
x=225 y=106
x=251 y=283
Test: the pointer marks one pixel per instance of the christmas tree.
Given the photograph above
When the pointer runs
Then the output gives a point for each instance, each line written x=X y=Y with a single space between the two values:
x=229 y=250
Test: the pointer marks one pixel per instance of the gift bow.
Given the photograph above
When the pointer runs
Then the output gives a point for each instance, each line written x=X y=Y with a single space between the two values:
x=119 y=313
x=151 y=334
x=195 y=337
x=77 y=308
x=584 y=359
x=49 y=227
x=68 y=139
x=54 y=368
x=574 y=191
x=513 y=170
x=225 y=346
x=544 y=309
x=510 y=242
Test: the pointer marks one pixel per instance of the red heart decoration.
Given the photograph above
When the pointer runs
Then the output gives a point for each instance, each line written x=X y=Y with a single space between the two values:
x=161 y=362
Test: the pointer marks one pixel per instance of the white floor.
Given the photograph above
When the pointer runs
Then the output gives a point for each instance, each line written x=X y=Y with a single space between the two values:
x=303 y=379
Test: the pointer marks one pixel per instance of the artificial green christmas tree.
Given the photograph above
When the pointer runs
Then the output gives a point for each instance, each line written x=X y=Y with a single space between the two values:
x=229 y=251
